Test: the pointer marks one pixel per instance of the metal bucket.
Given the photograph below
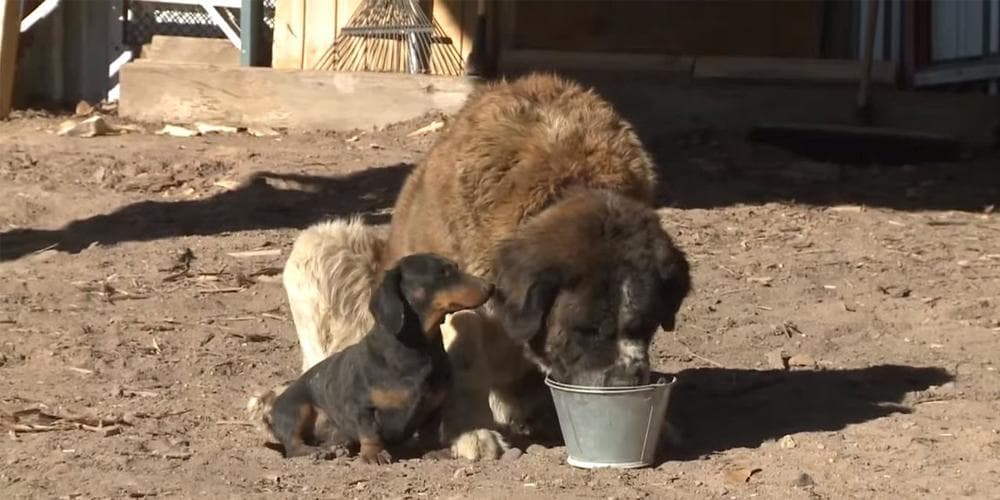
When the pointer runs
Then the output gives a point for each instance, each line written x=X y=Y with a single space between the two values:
x=612 y=426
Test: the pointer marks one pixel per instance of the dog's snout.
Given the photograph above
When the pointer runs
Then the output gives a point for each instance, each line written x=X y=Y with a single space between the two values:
x=632 y=374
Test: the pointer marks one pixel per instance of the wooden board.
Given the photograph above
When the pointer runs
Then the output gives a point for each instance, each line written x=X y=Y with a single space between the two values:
x=450 y=16
x=761 y=28
x=289 y=34
x=791 y=70
x=658 y=65
x=165 y=48
x=320 y=32
x=185 y=93
x=10 y=28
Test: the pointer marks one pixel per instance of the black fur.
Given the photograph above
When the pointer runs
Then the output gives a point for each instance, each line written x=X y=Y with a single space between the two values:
x=390 y=384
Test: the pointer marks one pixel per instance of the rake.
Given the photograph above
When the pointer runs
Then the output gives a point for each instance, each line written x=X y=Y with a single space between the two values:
x=394 y=36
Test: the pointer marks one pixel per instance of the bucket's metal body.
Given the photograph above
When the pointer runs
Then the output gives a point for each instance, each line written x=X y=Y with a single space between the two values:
x=612 y=426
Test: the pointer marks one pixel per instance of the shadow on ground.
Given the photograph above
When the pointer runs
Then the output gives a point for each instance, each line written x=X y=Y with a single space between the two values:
x=717 y=409
x=265 y=201
x=708 y=169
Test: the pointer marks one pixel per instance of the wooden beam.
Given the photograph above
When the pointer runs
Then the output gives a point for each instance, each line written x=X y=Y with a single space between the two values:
x=289 y=34
x=251 y=28
x=660 y=65
x=784 y=69
x=10 y=28
x=186 y=93
x=320 y=34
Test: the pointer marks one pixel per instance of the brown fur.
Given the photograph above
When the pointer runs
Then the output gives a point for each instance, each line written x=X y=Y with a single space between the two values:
x=512 y=151
x=543 y=177
x=537 y=184
x=389 y=399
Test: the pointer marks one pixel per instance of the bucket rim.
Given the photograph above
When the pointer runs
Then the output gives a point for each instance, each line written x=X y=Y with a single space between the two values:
x=663 y=380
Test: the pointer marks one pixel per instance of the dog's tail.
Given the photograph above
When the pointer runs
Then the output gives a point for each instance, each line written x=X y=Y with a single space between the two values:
x=329 y=278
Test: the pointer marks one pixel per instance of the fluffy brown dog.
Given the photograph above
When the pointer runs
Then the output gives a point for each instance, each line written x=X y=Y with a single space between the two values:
x=541 y=187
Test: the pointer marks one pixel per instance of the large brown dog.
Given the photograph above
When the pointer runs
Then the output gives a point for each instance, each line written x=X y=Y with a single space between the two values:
x=540 y=186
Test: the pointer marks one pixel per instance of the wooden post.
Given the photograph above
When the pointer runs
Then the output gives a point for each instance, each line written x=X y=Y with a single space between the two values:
x=10 y=28
x=863 y=103
x=251 y=21
x=476 y=62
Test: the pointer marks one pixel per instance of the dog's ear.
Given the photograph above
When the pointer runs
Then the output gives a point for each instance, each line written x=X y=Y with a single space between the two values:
x=675 y=280
x=387 y=302
x=527 y=286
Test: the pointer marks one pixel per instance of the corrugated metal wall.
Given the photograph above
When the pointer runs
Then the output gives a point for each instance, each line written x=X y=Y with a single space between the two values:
x=959 y=29
x=888 y=33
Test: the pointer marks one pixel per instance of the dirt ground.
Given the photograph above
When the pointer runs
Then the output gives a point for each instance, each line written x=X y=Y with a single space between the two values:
x=123 y=298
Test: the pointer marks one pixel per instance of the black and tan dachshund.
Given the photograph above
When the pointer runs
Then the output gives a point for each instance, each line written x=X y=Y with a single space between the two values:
x=393 y=382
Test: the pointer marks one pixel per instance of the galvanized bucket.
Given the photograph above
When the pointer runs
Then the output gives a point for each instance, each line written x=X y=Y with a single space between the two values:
x=612 y=426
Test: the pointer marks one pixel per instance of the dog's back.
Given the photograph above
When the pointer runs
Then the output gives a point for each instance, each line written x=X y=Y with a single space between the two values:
x=510 y=152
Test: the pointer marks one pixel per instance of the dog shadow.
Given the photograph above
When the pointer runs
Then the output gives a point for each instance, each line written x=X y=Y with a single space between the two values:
x=716 y=409
x=266 y=200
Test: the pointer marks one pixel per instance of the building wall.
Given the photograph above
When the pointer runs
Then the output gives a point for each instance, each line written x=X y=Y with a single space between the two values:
x=763 y=28
x=69 y=54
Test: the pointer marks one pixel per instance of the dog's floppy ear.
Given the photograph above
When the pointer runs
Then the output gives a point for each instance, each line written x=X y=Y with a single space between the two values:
x=527 y=286
x=675 y=279
x=387 y=302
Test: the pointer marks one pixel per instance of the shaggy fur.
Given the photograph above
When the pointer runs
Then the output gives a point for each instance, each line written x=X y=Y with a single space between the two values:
x=329 y=278
x=539 y=185
x=512 y=151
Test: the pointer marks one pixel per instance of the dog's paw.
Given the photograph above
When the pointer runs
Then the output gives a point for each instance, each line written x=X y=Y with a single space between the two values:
x=480 y=444
x=443 y=454
x=331 y=453
x=381 y=457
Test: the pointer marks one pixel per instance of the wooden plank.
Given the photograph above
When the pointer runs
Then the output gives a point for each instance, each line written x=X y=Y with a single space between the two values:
x=448 y=14
x=186 y=93
x=320 y=34
x=470 y=17
x=760 y=28
x=165 y=48
x=666 y=66
x=506 y=25
x=342 y=14
x=289 y=34
x=791 y=70
x=344 y=10
x=10 y=28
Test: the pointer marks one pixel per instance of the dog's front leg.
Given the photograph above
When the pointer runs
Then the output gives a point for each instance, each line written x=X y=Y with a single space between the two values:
x=372 y=449
x=468 y=425
x=429 y=437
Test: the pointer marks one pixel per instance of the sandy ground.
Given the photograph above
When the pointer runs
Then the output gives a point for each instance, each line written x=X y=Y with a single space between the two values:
x=121 y=299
